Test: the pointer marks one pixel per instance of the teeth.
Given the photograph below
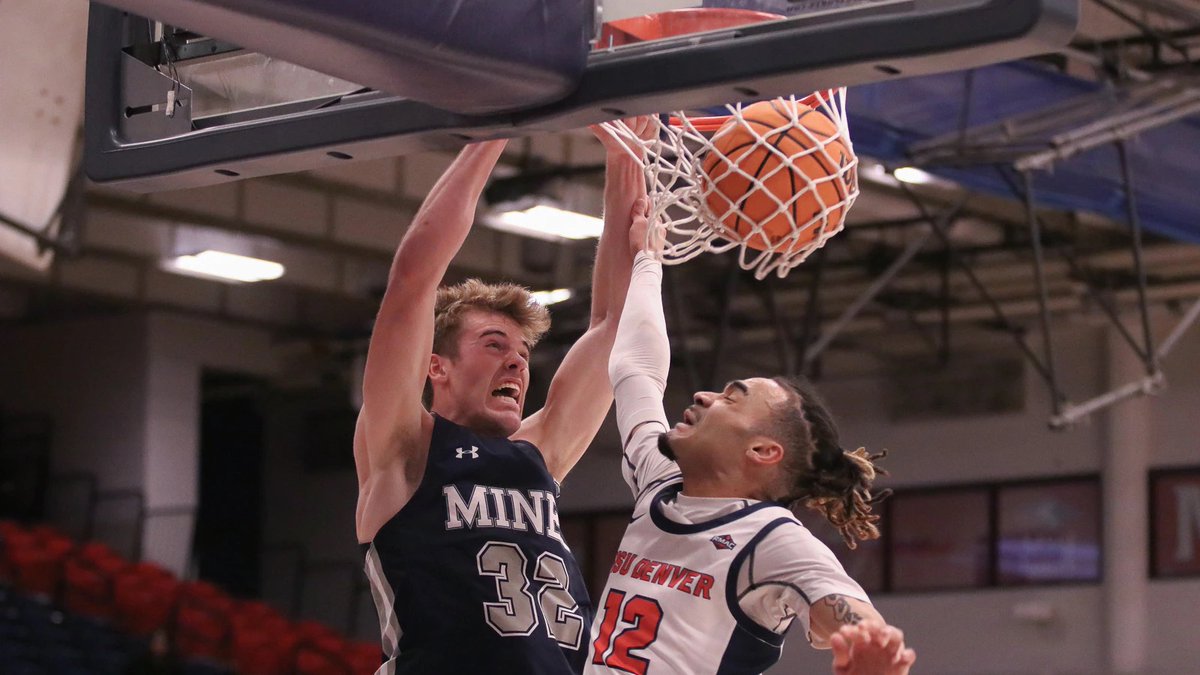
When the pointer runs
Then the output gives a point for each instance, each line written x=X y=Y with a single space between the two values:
x=509 y=390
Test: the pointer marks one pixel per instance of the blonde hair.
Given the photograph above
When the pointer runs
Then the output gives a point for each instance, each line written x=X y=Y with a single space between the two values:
x=511 y=300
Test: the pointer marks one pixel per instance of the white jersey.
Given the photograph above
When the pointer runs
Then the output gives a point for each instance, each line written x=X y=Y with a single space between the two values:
x=677 y=595
x=699 y=586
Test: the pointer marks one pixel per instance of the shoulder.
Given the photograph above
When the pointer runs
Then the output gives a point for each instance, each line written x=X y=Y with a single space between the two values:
x=660 y=488
x=787 y=545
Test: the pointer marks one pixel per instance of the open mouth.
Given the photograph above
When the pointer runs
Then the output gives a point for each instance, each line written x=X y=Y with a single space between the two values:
x=510 y=391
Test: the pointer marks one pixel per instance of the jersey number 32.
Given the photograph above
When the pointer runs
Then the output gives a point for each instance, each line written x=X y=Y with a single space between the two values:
x=519 y=611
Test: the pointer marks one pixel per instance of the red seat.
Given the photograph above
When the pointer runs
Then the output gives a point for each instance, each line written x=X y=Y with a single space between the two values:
x=90 y=576
x=37 y=562
x=12 y=536
x=266 y=647
x=145 y=594
x=202 y=621
x=321 y=650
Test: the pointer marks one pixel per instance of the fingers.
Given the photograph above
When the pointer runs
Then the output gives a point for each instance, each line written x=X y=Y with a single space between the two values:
x=641 y=208
x=841 y=650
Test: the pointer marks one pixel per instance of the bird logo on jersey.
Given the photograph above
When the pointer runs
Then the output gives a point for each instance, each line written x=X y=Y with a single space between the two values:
x=473 y=453
x=723 y=541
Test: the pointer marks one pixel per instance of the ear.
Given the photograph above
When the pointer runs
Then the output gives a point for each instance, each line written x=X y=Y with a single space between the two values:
x=765 y=452
x=437 y=368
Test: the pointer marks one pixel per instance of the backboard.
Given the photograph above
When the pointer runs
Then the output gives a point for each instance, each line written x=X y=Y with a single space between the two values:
x=240 y=112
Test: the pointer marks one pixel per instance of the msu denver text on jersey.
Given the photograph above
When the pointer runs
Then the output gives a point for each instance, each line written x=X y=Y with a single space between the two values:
x=503 y=508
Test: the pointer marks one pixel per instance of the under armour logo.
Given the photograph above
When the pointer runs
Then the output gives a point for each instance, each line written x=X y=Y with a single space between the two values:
x=473 y=452
x=723 y=541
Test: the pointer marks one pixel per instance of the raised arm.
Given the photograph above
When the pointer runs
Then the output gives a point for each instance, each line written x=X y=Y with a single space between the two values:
x=579 y=395
x=638 y=368
x=392 y=418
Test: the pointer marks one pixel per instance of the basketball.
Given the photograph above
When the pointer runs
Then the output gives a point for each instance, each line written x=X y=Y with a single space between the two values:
x=760 y=169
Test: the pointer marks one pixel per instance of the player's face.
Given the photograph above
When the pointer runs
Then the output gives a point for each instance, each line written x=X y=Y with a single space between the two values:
x=719 y=426
x=485 y=384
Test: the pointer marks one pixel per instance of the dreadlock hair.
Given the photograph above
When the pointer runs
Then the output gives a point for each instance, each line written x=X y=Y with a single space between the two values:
x=818 y=473
x=511 y=300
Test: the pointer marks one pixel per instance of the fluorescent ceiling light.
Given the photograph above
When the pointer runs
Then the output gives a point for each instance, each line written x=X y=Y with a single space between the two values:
x=544 y=221
x=555 y=296
x=913 y=175
x=225 y=266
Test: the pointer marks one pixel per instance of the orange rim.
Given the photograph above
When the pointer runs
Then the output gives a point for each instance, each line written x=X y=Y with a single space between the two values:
x=701 y=124
x=713 y=123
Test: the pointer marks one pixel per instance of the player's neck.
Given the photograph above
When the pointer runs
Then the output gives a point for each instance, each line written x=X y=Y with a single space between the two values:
x=718 y=487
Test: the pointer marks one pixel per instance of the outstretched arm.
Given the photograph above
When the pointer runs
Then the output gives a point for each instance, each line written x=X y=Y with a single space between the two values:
x=579 y=395
x=638 y=367
x=391 y=420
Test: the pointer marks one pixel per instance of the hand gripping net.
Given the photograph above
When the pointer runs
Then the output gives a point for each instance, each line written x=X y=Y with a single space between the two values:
x=684 y=223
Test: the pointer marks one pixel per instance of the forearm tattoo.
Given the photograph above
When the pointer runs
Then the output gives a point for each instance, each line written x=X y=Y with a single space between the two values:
x=842 y=612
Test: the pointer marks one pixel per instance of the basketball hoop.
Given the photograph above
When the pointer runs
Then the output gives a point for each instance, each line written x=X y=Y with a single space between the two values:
x=773 y=179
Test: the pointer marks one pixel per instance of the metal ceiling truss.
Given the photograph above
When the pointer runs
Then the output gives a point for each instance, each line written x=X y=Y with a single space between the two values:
x=1034 y=141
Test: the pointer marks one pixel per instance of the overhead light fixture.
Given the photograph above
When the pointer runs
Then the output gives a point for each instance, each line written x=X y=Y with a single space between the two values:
x=543 y=220
x=913 y=176
x=546 y=298
x=213 y=264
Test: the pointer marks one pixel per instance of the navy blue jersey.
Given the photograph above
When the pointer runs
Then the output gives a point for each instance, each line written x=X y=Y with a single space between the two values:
x=473 y=575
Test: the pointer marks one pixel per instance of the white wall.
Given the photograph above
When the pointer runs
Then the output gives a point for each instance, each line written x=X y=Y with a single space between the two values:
x=178 y=350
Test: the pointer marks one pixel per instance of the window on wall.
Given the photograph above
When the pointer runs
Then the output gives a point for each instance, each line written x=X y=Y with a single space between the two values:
x=939 y=539
x=1175 y=523
x=1048 y=532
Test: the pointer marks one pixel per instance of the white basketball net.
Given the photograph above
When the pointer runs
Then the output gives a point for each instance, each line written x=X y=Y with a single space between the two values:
x=684 y=223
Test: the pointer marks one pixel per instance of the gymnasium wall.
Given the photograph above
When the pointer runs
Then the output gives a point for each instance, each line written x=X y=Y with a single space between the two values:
x=979 y=631
x=124 y=396
x=89 y=377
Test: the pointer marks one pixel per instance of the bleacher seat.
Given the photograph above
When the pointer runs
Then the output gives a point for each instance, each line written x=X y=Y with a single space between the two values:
x=144 y=595
x=74 y=609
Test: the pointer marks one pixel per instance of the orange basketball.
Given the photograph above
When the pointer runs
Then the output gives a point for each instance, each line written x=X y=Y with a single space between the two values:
x=780 y=193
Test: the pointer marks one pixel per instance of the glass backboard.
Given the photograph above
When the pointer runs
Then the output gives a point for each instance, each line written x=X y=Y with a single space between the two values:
x=240 y=112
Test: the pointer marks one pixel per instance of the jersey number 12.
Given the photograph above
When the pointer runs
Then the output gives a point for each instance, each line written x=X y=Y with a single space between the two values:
x=643 y=616
x=517 y=612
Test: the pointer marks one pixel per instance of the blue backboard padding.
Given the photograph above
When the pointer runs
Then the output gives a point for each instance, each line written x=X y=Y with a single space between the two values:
x=886 y=117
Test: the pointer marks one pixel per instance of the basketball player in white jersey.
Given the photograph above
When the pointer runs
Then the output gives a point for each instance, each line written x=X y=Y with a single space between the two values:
x=714 y=567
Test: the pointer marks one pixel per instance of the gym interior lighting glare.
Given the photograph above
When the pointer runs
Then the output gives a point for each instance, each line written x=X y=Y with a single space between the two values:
x=912 y=175
x=544 y=221
x=546 y=298
x=225 y=266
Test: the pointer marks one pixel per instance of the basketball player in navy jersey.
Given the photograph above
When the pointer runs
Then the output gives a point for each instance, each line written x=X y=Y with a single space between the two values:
x=714 y=567
x=457 y=510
